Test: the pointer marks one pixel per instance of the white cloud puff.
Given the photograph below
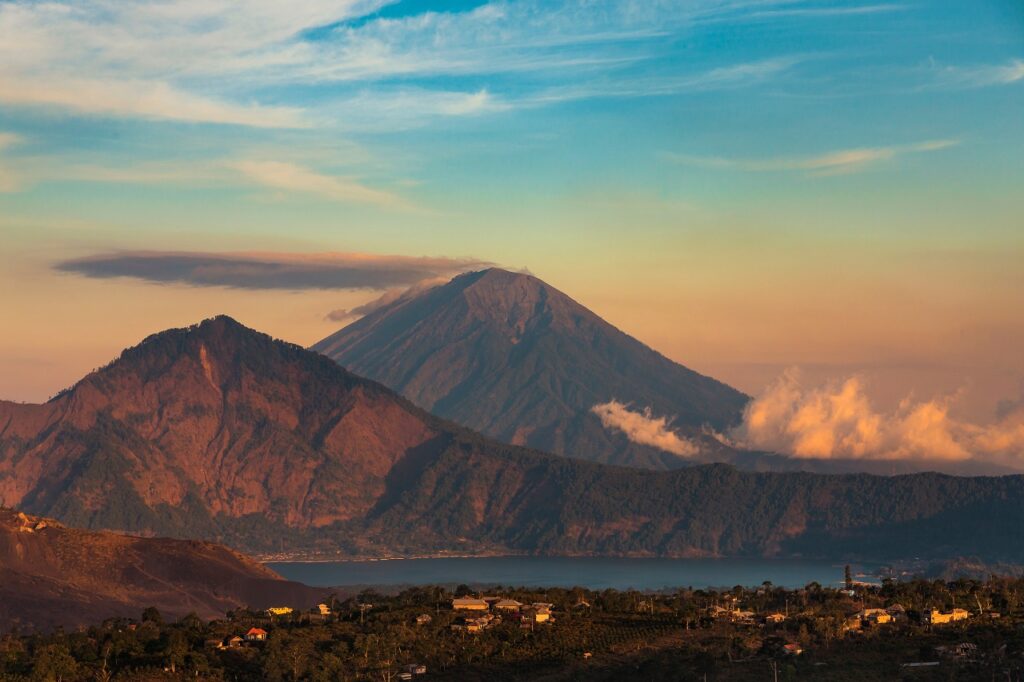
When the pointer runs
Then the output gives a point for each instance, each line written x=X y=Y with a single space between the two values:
x=838 y=421
x=644 y=428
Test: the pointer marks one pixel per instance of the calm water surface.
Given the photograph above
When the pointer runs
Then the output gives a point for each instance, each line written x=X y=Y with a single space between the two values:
x=589 y=572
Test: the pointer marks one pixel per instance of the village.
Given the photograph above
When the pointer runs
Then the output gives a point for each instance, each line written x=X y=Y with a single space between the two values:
x=920 y=629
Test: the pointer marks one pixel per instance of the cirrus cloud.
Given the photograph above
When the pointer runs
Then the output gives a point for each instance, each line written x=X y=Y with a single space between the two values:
x=981 y=76
x=254 y=271
x=831 y=163
x=291 y=177
x=143 y=99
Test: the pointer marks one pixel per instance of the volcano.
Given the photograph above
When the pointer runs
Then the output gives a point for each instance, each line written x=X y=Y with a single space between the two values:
x=514 y=358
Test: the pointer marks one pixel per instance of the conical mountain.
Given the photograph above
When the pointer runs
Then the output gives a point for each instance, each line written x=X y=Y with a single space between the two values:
x=516 y=359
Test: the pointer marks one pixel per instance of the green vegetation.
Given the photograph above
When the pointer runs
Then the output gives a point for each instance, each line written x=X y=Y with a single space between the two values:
x=607 y=635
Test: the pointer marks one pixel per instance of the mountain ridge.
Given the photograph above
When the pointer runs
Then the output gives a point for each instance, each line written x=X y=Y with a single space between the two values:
x=52 y=575
x=219 y=432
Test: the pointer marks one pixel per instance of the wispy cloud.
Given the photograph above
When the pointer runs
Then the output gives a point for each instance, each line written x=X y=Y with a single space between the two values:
x=981 y=76
x=719 y=78
x=157 y=59
x=283 y=177
x=143 y=99
x=210 y=62
x=822 y=11
x=289 y=271
x=832 y=163
x=643 y=428
x=9 y=181
x=389 y=297
x=391 y=108
x=290 y=177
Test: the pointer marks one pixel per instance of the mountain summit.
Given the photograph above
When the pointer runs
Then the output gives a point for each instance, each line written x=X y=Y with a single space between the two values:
x=514 y=358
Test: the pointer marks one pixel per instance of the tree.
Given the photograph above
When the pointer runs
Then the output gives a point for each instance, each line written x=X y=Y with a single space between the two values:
x=53 y=663
x=175 y=648
x=297 y=653
x=152 y=615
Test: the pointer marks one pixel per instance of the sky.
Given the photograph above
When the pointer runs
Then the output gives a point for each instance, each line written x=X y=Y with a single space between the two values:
x=756 y=188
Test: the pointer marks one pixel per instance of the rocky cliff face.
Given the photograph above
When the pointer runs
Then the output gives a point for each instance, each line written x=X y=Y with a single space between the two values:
x=53 y=575
x=514 y=358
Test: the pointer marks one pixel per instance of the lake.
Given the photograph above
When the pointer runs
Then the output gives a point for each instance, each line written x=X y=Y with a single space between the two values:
x=591 y=572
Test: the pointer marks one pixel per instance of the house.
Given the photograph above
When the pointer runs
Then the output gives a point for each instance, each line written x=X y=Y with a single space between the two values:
x=507 y=605
x=936 y=617
x=424 y=619
x=897 y=611
x=256 y=635
x=279 y=610
x=964 y=650
x=234 y=642
x=536 y=613
x=719 y=612
x=324 y=609
x=774 y=618
x=478 y=624
x=741 y=616
x=875 y=616
x=416 y=669
x=473 y=625
x=469 y=604
x=792 y=649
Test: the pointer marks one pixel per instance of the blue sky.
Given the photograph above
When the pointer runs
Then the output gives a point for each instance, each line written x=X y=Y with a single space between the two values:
x=746 y=185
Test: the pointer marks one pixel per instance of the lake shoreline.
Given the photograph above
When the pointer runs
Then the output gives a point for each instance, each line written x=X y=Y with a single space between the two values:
x=643 y=573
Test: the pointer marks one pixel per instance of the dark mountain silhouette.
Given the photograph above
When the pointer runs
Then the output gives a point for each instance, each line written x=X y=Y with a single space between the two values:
x=514 y=358
x=221 y=433
x=51 y=575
